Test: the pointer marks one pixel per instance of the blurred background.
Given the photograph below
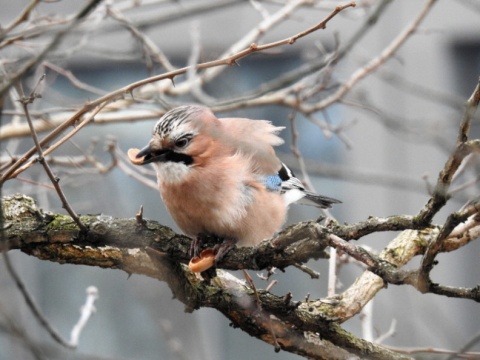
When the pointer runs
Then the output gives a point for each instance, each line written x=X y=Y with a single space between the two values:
x=377 y=150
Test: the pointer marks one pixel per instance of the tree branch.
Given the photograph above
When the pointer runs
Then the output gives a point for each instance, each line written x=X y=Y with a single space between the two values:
x=148 y=248
x=151 y=249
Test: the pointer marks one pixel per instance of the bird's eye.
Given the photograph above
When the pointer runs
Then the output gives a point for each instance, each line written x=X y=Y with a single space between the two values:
x=182 y=142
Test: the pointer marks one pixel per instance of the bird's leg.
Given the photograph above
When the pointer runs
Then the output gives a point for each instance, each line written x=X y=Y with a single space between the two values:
x=196 y=245
x=223 y=248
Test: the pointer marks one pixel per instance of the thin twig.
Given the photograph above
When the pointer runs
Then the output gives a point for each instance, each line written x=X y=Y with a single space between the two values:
x=55 y=41
x=137 y=176
x=271 y=285
x=25 y=101
x=366 y=319
x=470 y=343
x=260 y=310
x=357 y=252
x=150 y=48
x=391 y=331
x=86 y=312
x=440 y=193
x=386 y=54
x=332 y=272
x=73 y=79
x=32 y=305
x=313 y=274
x=432 y=350
x=256 y=97
x=297 y=153
x=60 y=142
x=21 y=18
x=36 y=183
x=192 y=74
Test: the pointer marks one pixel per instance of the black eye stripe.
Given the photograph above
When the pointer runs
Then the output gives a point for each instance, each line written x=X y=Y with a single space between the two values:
x=177 y=157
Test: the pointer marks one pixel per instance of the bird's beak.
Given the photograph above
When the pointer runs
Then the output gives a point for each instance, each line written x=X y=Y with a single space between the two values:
x=150 y=155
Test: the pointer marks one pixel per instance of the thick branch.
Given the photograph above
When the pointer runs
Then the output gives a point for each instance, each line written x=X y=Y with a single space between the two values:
x=153 y=250
x=121 y=243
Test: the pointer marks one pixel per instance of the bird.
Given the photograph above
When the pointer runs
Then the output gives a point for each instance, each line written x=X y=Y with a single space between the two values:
x=220 y=177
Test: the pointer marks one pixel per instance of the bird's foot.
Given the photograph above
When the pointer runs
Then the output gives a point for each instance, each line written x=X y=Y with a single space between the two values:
x=197 y=244
x=199 y=241
x=223 y=248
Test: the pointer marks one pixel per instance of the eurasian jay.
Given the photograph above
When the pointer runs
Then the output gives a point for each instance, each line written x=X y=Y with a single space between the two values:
x=221 y=177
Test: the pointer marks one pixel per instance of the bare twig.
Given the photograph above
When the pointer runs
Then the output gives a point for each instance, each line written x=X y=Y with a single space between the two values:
x=32 y=305
x=280 y=97
x=260 y=310
x=53 y=43
x=356 y=252
x=332 y=272
x=139 y=216
x=136 y=175
x=470 y=343
x=249 y=41
x=86 y=312
x=25 y=101
x=313 y=274
x=150 y=48
x=440 y=193
x=192 y=74
x=51 y=118
x=386 y=54
x=60 y=142
x=391 y=331
x=271 y=285
x=73 y=79
x=21 y=18
x=366 y=318
x=257 y=97
x=297 y=153
x=36 y=183
x=439 y=351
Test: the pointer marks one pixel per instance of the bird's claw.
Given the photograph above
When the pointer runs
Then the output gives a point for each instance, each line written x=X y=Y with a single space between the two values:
x=223 y=248
x=196 y=245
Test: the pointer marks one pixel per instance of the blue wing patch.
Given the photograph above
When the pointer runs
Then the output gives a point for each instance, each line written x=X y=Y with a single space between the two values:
x=272 y=182
x=293 y=190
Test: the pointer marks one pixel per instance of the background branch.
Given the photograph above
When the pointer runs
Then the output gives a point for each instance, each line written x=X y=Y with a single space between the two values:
x=101 y=102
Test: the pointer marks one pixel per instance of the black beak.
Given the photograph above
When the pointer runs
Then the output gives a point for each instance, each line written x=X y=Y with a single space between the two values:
x=150 y=155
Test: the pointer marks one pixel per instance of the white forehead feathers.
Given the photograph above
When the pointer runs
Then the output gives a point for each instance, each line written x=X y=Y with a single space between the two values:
x=178 y=121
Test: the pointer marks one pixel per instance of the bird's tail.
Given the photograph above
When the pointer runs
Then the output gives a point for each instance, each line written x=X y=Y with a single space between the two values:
x=320 y=201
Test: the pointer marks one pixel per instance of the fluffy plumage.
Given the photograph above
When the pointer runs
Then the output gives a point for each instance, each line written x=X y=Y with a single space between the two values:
x=221 y=177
